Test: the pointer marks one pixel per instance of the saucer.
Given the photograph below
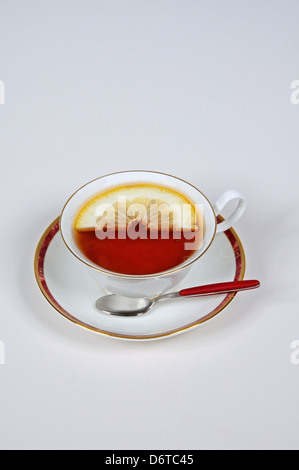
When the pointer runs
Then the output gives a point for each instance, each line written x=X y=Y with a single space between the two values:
x=70 y=289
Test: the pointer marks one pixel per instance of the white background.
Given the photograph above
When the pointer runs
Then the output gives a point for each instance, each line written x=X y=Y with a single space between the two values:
x=199 y=89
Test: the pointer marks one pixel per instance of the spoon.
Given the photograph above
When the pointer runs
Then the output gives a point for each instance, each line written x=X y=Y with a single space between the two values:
x=115 y=304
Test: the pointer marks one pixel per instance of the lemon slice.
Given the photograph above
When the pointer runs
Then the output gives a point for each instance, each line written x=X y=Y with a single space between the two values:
x=154 y=206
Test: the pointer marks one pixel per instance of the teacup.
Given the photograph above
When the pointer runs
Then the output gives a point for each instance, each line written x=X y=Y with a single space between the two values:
x=154 y=284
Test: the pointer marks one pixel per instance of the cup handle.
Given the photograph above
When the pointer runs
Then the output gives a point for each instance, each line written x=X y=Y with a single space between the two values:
x=223 y=200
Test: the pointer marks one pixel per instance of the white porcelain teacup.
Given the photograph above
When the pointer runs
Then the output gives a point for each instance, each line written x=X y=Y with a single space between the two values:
x=150 y=285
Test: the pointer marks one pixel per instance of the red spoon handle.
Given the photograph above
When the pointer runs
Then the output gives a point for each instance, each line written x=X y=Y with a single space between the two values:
x=223 y=287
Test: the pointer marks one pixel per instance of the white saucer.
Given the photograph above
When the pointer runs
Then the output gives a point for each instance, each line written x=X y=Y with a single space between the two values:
x=70 y=289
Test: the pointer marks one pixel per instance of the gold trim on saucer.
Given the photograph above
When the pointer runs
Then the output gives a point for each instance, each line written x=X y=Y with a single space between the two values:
x=39 y=260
